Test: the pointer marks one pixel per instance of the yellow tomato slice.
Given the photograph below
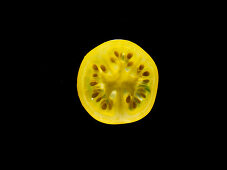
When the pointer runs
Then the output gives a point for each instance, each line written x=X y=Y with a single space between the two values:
x=117 y=82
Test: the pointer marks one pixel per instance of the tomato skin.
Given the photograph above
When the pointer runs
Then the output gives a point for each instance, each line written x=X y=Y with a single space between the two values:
x=127 y=75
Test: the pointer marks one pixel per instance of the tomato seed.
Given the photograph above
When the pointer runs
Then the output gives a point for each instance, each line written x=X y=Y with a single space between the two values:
x=128 y=99
x=146 y=73
x=93 y=83
x=116 y=53
x=129 y=55
x=110 y=105
x=94 y=95
x=95 y=75
x=141 y=67
x=130 y=64
x=112 y=60
x=141 y=89
x=103 y=68
x=95 y=67
x=137 y=100
x=143 y=95
x=146 y=81
x=104 y=106
x=98 y=99
x=134 y=105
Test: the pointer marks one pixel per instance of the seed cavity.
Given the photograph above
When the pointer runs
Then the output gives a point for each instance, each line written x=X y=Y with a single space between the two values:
x=95 y=67
x=130 y=64
x=141 y=67
x=116 y=53
x=146 y=81
x=103 y=68
x=104 y=106
x=129 y=55
x=146 y=73
x=94 y=95
x=95 y=75
x=93 y=83
x=128 y=99
x=97 y=100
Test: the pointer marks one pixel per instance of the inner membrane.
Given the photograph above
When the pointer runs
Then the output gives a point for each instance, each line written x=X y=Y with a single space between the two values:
x=120 y=83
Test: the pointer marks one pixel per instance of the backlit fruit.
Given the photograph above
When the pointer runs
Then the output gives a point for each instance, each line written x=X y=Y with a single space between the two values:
x=117 y=82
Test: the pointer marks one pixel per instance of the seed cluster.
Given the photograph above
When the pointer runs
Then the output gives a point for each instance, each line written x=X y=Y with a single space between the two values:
x=98 y=91
x=121 y=56
x=141 y=87
x=132 y=101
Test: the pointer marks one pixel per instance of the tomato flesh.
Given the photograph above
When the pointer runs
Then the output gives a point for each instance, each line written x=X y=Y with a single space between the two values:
x=117 y=82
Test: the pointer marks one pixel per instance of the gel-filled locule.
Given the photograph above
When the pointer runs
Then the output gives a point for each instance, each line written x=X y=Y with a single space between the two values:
x=117 y=82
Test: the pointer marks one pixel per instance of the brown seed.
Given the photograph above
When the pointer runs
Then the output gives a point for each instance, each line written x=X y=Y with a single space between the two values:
x=129 y=55
x=141 y=90
x=103 y=68
x=137 y=100
x=128 y=99
x=143 y=95
x=95 y=67
x=130 y=64
x=95 y=75
x=110 y=104
x=146 y=81
x=134 y=105
x=146 y=73
x=94 y=95
x=141 y=67
x=93 y=83
x=104 y=106
x=112 y=60
x=116 y=53
x=98 y=99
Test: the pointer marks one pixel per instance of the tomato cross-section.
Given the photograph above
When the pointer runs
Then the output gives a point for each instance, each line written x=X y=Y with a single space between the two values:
x=117 y=82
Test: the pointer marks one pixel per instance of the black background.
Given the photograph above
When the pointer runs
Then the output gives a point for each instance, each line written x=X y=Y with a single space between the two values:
x=58 y=38
x=63 y=39
x=51 y=40
x=64 y=44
